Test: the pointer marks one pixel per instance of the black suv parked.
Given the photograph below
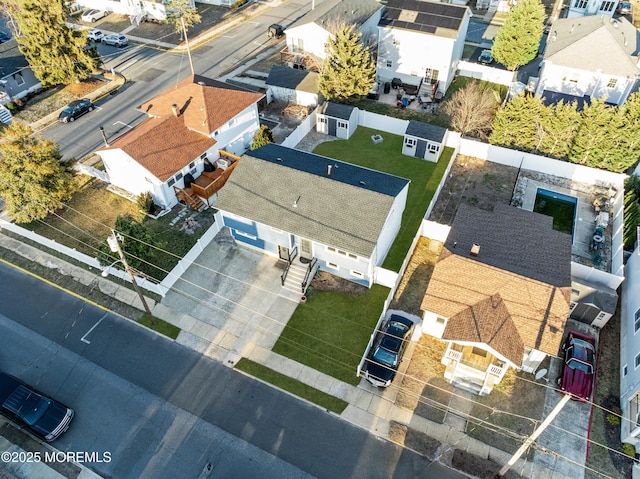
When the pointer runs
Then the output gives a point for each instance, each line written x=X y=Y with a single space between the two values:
x=44 y=416
x=75 y=109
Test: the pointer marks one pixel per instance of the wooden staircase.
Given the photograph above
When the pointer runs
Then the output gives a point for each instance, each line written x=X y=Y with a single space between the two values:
x=189 y=198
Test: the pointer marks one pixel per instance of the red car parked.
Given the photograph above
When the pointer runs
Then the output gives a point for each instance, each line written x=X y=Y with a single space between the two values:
x=579 y=366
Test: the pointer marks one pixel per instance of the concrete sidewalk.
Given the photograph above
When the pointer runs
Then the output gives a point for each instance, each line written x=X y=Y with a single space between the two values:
x=369 y=407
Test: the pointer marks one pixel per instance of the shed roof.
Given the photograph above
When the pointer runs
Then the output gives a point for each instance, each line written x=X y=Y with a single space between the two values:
x=293 y=191
x=426 y=131
x=336 y=110
x=293 y=79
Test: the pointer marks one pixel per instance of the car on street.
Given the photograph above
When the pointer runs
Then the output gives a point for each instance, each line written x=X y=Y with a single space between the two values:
x=115 y=39
x=75 y=109
x=95 y=35
x=485 y=57
x=578 y=367
x=275 y=31
x=624 y=8
x=5 y=36
x=42 y=415
x=389 y=345
x=93 y=15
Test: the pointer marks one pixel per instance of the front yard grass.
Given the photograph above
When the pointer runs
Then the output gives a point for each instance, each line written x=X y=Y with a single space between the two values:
x=88 y=217
x=387 y=157
x=331 y=330
x=294 y=386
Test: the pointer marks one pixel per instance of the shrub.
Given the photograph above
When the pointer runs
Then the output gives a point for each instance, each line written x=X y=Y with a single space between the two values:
x=145 y=202
x=238 y=3
x=613 y=419
x=629 y=449
x=12 y=107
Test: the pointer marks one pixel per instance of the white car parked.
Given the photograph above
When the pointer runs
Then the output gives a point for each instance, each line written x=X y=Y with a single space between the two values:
x=95 y=35
x=91 y=16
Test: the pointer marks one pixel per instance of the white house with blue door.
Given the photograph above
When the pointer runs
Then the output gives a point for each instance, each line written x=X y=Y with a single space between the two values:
x=289 y=203
x=424 y=140
x=336 y=119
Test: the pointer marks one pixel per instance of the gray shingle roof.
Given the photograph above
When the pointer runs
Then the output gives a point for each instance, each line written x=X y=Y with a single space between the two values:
x=595 y=42
x=11 y=60
x=299 y=80
x=434 y=18
x=336 y=110
x=335 y=210
x=346 y=11
x=426 y=131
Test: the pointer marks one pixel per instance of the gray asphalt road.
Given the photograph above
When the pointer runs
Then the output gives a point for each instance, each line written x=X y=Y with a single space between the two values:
x=159 y=407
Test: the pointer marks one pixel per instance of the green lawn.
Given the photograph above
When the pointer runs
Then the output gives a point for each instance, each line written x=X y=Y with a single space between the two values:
x=294 y=386
x=331 y=330
x=387 y=156
x=161 y=326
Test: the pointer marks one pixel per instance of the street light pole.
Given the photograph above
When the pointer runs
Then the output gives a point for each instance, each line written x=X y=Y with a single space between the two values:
x=114 y=244
x=186 y=39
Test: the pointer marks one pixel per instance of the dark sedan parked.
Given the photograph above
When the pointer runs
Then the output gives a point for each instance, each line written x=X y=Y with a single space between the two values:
x=579 y=366
x=75 y=109
x=386 y=352
x=42 y=415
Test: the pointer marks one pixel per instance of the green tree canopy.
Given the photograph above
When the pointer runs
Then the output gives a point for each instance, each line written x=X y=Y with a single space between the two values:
x=348 y=72
x=516 y=123
x=517 y=41
x=179 y=11
x=593 y=143
x=262 y=137
x=56 y=53
x=631 y=217
x=33 y=180
x=137 y=243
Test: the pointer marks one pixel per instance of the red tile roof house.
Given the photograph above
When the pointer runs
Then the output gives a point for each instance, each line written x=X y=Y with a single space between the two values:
x=189 y=126
x=499 y=294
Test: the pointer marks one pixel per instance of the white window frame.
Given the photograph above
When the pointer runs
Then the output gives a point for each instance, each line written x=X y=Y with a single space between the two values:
x=410 y=142
x=433 y=148
x=636 y=361
x=246 y=235
x=332 y=265
x=18 y=78
x=636 y=321
x=607 y=6
x=581 y=4
x=357 y=274
x=343 y=124
x=613 y=82
x=389 y=64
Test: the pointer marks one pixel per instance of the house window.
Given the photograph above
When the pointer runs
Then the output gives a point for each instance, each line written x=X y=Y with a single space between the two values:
x=431 y=76
x=624 y=370
x=410 y=142
x=580 y=4
x=18 y=78
x=215 y=133
x=192 y=164
x=331 y=248
x=637 y=361
x=275 y=229
x=171 y=182
x=389 y=64
x=637 y=320
x=322 y=119
x=440 y=320
x=606 y=6
x=612 y=83
x=246 y=235
x=232 y=122
x=332 y=265
x=192 y=171
x=342 y=124
x=357 y=273
x=433 y=148
x=179 y=176
x=352 y=256
x=479 y=352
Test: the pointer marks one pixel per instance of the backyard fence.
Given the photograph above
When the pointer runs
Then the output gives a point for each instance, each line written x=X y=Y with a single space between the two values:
x=301 y=131
x=486 y=73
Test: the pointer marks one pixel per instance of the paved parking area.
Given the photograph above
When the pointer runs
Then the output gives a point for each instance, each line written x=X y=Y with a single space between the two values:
x=237 y=295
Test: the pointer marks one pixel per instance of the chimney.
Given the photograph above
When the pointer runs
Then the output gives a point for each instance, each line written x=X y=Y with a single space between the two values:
x=328 y=170
x=475 y=249
x=174 y=109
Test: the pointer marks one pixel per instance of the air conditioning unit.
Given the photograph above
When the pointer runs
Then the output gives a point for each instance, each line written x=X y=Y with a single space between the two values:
x=222 y=163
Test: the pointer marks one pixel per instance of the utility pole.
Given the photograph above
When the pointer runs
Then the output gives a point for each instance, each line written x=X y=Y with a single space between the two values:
x=114 y=245
x=552 y=415
x=186 y=39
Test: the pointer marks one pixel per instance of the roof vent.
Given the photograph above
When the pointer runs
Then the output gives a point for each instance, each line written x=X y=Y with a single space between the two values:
x=295 y=203
x=475 y=249
x=278 y=159
x=201 y=83
x=362 y=183
x=174 y=109
x=328 y=170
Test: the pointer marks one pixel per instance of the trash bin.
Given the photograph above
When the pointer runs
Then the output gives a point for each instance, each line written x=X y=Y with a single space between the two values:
x=387 y=87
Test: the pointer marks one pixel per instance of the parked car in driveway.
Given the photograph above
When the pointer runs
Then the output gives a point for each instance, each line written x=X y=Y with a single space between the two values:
x=624 y=8
x=95 y=35
x=485 y=57
x=93 y=15
x=115 y=39
x=44 y=416
x=75 y=109
x=387 y=350
x=578 y=367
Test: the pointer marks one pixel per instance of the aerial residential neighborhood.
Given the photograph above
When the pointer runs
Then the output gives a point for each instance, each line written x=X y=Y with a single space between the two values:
x=334 y=239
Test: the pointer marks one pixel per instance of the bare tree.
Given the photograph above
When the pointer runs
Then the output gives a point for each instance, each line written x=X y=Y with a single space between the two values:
x=471 y=109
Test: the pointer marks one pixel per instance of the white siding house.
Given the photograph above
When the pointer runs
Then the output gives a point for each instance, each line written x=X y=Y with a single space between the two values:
x=421 y=42
x=581 y=8
x=186 y=125
x=308 y=38
x=590 y=57
x=336 y=119
x=630 y=354
x=136 y=9
x=341 y=216
x=298 y=87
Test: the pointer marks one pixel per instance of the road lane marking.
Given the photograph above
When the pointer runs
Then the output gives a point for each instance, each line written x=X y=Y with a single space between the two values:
x=89 y=332
x=122 y=123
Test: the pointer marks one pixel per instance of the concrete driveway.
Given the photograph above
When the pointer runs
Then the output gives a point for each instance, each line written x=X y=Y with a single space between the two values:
x=237 y=296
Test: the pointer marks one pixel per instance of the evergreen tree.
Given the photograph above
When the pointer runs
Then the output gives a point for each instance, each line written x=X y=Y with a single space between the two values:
x=471 y=109
x=56 y=53
x=594 y=142
x=517 y=123
x=560 y=124
x=627 y=138
x=348 y=72
x=517 y=41
x=33 y=180
x=262 y=137
x=631 y=217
